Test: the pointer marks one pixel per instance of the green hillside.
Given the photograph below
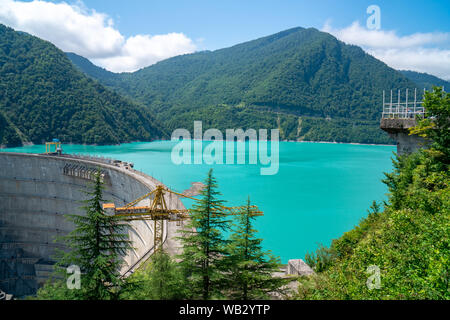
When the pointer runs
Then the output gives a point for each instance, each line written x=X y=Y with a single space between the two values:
x=43 y=96
x=298 y=76
x=425 y=80
x=91 y=69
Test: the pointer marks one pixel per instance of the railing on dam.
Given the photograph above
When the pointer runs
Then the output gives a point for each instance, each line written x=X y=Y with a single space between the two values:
x=84 y=172
x=100 y=159
x=90 y=158
x=402 y=109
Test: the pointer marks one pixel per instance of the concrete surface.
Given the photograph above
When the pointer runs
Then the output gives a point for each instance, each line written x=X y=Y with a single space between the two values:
x=35 y=194
x=298 y=267
x=398 y=130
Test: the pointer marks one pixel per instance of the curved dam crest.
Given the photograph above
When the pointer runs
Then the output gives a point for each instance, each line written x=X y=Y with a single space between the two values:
x=37 y=191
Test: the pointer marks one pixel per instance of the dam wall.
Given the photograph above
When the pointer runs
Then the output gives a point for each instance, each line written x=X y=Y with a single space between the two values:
x=37 y=191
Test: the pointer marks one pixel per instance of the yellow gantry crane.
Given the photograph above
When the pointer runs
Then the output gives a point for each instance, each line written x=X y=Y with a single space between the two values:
x=158 y=211
x=55 y=144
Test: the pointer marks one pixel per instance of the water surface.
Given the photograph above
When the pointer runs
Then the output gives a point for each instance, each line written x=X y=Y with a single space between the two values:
x=321 y=190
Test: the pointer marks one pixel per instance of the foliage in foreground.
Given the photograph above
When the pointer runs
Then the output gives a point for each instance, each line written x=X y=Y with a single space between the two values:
x=210 y=267
x=216 y=267
x=204 y=244
x=408 y=241
x=409 y=244
x=436 y=125
x=251 y=269
x=161 y=279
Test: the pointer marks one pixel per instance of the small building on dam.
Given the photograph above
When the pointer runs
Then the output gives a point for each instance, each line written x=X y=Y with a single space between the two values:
x=399 y=117
x=38 y=190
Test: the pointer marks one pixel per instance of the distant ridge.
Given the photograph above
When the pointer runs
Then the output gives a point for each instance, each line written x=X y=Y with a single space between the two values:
x=89 y=68
x=425 y=80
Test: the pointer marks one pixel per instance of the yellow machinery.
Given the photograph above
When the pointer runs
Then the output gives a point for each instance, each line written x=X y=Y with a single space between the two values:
x=55 y=145
x=158 y=212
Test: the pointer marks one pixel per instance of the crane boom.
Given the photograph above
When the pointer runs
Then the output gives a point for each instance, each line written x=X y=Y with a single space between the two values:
x=158 y=211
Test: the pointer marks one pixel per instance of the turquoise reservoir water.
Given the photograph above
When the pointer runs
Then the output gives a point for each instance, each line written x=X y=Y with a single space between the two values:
x=320 y=191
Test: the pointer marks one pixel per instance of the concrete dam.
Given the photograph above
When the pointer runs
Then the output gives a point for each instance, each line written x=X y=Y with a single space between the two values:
x=37 y=191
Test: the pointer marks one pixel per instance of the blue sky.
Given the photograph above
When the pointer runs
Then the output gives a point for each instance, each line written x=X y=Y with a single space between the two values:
x=225 y=23
x=129 y=35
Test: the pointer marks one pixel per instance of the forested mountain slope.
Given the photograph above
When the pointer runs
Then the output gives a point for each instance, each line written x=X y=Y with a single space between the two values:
x=306 y=82
x=43 y=96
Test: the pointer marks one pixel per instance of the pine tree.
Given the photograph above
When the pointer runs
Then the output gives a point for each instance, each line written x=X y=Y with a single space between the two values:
x=204 y=246
x=96 y=246
x=251 y=268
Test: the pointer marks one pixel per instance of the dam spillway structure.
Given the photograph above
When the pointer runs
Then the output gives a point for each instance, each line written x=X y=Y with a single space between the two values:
x=38 y=190
x=399 y=117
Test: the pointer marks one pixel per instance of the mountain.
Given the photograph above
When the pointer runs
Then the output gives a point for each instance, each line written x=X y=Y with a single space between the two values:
x=425 y=80
x=306 y=82
x=89 y=68
x=43 y=96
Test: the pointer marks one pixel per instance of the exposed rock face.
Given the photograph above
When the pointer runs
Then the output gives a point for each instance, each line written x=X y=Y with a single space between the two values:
x=195 y=189
x=298 y=267
x=294 y=269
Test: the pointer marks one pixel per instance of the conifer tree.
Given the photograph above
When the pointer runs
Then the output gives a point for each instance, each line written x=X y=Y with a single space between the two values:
x=203 y=243
x=96 y=246
x=251 y=268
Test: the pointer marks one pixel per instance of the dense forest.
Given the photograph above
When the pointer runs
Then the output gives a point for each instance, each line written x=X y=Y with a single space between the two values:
x=298 y=75
x=43 y=96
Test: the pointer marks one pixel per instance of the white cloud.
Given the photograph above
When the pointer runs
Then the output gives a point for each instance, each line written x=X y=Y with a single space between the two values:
x=429 y=60
x=423 y=52
x=144 y=50
x=75 y=28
